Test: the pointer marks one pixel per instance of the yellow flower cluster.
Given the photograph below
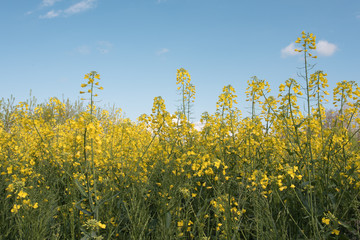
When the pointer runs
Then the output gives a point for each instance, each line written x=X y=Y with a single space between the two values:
x=308 y=42
x=186 y=90
x=91 y=77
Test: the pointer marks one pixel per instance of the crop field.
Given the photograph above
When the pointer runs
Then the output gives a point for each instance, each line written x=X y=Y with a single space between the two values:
x=76 y=171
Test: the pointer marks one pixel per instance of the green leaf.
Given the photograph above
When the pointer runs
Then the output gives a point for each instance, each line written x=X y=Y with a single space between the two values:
x=168 y=219
x=81 y=188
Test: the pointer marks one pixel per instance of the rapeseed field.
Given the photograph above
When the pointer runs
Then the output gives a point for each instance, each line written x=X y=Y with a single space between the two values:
x=76 y=171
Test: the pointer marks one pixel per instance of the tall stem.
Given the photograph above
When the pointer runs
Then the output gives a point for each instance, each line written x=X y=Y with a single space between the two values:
x=308 y=137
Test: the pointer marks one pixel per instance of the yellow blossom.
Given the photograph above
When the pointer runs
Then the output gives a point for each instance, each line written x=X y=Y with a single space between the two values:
x=15 y=208
x=101 y=225
x=22 y=194
x=325 y=220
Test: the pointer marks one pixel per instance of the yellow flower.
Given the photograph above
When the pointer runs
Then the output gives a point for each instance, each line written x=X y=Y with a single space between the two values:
x=291 y=172
x=22 y=194
x=15 y=208
x=335 y=231
x=86 y=76
x=217 y=164
x=180 y=224
x=83 y=85
x=325 y=220
x=36 y=205
x=101 y=225
x=281 y=87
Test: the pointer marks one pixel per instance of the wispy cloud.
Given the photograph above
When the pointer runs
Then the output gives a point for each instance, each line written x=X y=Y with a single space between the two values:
x=51 y=14
x=49 y=3
x=78 y=7
x=357 y=14
x=325 y=48
x=46 y=4
x=83 y=50
x=289 y=50
x=162 y=51
x=104 y=47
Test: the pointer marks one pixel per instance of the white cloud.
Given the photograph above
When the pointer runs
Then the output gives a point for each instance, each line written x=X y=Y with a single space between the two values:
x=358 y=16
x=325 y=48
x=289 y=50
x=80 y=7
x=49 y=3
x=162 y=51
x=73 y=9
x=84 y=50
x=199 y=126
x=104 y=47
x=160 y=1
x=51 y=14
x=44 y=4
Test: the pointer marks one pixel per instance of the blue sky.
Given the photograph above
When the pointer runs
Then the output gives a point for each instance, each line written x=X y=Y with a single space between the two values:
x=137 y=46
